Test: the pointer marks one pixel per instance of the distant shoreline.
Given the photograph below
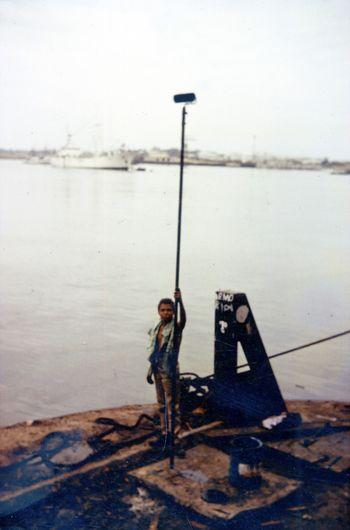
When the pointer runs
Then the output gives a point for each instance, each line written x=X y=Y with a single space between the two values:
x=171 y=157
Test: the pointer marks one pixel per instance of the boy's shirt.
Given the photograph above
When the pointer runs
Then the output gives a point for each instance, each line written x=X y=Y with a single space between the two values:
x=161 y=357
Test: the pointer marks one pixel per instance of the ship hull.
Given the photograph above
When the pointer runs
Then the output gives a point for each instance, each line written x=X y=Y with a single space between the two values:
x=90 y=162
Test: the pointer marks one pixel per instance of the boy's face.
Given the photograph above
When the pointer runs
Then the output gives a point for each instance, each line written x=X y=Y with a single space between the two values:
x=166 y=312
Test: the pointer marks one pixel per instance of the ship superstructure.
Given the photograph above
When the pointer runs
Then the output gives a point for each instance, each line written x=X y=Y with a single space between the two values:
x=73 y=157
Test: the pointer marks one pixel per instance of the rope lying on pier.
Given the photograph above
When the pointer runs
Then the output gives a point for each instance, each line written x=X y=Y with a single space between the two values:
x=101 y=447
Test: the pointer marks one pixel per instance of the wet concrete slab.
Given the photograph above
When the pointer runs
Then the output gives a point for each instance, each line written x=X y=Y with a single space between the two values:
x=206 y=468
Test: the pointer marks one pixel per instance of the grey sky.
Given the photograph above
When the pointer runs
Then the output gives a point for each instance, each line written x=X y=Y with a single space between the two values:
x=278 y=70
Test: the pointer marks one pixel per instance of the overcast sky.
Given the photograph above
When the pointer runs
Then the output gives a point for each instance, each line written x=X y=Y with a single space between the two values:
x=276 y=70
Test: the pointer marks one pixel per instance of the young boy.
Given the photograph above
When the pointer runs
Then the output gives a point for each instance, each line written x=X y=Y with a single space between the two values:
x=161 y=346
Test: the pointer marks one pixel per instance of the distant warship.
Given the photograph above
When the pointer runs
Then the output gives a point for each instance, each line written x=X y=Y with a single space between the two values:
x=73 y=157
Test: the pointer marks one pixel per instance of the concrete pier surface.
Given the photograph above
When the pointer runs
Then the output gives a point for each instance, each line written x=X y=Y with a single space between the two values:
x=87 y=470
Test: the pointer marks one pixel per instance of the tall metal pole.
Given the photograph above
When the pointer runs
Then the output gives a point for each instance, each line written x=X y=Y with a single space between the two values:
x=180 y=197
x=177 y=280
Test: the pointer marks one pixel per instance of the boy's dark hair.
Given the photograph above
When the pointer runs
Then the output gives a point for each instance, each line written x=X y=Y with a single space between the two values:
x=166 y=301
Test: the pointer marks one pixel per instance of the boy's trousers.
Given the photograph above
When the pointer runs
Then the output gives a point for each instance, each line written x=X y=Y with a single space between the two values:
x=164 y=399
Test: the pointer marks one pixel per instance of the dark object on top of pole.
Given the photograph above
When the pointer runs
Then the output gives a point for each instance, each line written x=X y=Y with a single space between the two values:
x=185 y=99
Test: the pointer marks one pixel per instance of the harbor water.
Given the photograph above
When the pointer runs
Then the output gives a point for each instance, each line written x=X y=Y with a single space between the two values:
x=86 y=254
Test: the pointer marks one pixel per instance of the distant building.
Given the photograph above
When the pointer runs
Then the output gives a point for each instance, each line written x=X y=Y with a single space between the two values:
x=158 y=156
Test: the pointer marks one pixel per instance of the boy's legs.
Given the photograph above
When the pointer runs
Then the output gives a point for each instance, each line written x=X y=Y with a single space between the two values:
x=160 y=399
x=165 y=380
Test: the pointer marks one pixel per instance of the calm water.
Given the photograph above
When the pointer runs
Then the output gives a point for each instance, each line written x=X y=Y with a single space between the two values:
x=86 y=255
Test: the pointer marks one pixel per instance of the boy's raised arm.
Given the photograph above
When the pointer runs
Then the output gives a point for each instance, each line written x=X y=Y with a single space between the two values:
x=178 y=297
